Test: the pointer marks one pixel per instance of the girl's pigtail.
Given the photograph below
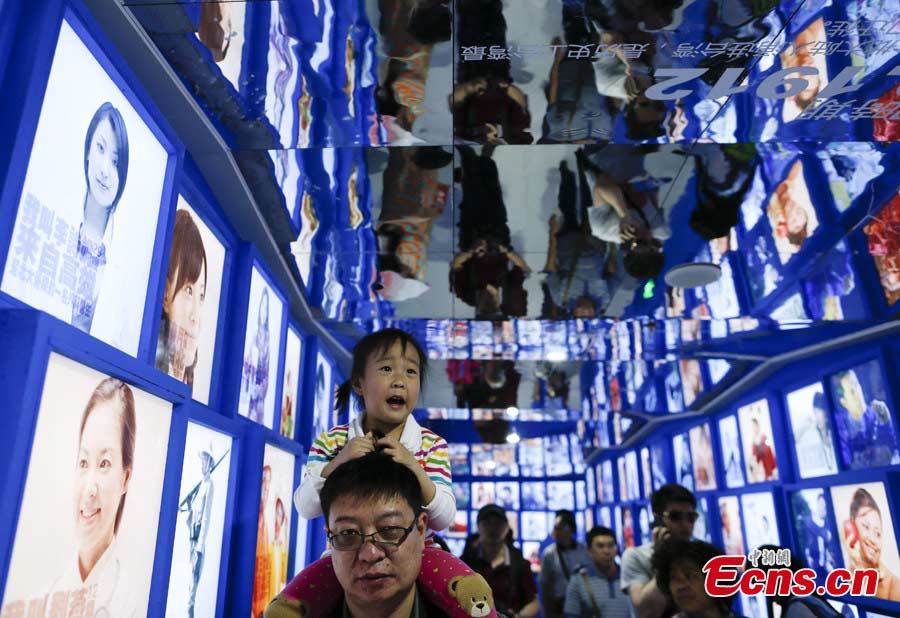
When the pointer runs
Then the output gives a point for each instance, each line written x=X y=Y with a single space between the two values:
x=342 y=399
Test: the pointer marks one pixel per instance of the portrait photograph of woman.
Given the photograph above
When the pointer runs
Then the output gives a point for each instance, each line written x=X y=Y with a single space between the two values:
x=85 y=230
x=289 y=384
x=273 y=530
x=196 y=554
x=186 y=343
x=701 y=449
x=261 y=350
x=866 y=532
x=324 y=395
x=90 y=510
x=791 y=213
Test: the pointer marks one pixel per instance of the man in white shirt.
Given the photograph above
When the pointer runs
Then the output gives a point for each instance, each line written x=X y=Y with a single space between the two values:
x=674 y=512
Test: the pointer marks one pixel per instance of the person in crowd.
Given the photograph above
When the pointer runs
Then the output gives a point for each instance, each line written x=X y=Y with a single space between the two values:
x=493 y=555
x=792 y=606
x=487 y=273
x=674 y=513
x=723 y=179
x=595 y=591
x=487 y=107
x=377 y=526
x=410 y=29
x=678 y=564
x=558 y=563
x=576 y=260
x=576 y=111
x=635 y=219
x=495 y=386
x=388 y=371
x=182 y=312
x=412 y=200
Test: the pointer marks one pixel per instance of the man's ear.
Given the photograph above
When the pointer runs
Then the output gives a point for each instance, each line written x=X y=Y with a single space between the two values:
x=422 y=522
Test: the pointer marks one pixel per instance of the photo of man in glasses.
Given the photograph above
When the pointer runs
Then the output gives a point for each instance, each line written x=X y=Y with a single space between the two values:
x=674 y=513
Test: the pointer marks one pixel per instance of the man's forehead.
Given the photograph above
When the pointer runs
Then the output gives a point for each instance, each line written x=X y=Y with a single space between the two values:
x=349 y=508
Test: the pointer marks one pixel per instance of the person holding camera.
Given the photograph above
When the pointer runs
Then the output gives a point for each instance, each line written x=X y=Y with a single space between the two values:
x=674 y=513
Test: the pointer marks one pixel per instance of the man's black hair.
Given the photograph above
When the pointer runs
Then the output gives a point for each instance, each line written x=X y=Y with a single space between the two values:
x=673 y=551
x=432 y=157
x=668 y=494
x=430 y=24
x=599 y=531
x=713 y=220
x=644 y=261
x=638 y=130
x=568 y=518
x=374 y=476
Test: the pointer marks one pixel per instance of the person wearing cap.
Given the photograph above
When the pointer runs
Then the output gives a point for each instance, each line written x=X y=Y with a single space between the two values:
x=674 y=514
x=559 y=561
x=507 y=572
x=198 y=505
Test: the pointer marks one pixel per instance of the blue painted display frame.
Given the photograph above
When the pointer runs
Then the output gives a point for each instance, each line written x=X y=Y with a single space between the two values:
x=246 y=522
x=20 y=118
x=249 y=258
x=298 y=522
x=36 y=336
x=198 y=414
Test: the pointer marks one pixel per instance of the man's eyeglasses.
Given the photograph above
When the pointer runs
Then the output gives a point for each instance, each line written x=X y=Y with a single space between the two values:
x=388 y=537
x=678 y=516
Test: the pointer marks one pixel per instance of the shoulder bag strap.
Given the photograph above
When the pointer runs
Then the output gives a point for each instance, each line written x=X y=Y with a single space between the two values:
x=587 y=588
x=562 y=562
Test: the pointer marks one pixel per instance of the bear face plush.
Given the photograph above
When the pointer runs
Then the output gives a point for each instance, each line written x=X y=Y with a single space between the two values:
x=473 y=594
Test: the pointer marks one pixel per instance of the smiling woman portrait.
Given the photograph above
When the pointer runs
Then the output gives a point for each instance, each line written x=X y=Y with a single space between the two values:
x=104 y=468
x=181 y=324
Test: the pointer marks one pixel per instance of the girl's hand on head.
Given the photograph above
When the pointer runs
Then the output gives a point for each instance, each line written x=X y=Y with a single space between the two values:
x=356 y=448
x=398 y=453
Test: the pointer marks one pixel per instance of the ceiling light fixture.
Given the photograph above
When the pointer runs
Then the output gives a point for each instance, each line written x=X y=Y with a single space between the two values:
x=693 y=275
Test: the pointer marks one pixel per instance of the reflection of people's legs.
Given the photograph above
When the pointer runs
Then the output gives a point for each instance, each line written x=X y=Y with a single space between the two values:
x=482 y=213
x=567 y=198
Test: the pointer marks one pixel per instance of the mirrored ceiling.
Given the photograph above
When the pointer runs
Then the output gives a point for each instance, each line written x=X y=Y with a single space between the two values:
x=515 y=181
